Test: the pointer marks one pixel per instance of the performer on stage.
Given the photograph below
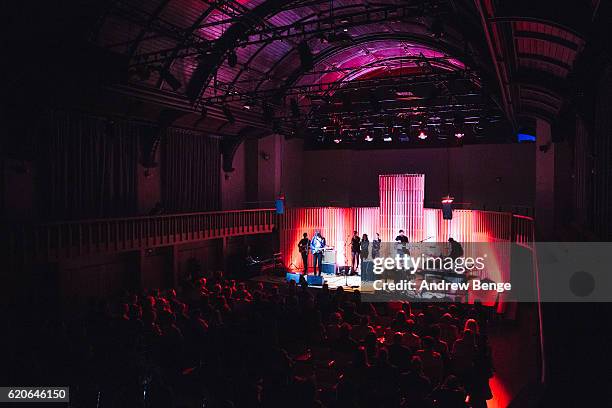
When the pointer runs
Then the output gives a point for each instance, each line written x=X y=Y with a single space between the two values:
x=402 y=243
x=365 y=248
x=317 y=244
x=303 y=246
x=376 y=246
x=456 y=250
x=355 y=250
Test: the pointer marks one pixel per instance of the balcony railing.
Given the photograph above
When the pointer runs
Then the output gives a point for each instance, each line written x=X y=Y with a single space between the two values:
x=61 y=240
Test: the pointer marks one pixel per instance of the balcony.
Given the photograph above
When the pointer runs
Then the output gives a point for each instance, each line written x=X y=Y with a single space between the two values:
x=71 y=239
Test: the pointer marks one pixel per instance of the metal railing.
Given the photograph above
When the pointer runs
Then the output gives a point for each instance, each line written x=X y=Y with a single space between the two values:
x=60 y=240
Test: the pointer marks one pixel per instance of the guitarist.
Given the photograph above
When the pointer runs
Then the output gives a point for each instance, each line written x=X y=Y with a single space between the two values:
x=303 y=246
x=316 y=247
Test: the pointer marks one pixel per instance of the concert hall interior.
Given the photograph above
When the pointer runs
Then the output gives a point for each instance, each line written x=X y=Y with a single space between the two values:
x=241 y=203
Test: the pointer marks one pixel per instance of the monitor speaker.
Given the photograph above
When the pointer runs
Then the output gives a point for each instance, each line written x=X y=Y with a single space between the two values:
x=314 y=280
x=328 y=268
x=293 y=277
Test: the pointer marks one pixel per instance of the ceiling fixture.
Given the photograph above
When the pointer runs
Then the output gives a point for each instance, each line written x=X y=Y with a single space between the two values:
x=306 y=58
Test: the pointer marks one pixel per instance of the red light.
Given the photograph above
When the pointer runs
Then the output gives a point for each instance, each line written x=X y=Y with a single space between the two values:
x=422 y=135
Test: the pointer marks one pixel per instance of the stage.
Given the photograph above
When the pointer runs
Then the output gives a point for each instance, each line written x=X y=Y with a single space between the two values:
x=348 y=283
x=354 y=283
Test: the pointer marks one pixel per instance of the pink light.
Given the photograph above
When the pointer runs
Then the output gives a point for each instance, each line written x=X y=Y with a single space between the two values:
x=337 y=140
x=422 y=135
x=459 y=135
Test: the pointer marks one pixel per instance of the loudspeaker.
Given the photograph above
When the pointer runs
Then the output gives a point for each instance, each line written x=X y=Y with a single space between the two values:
x=329 y=257
x=447 y=211
x=293 y=277
x=306 y=58
x=314 y=280
x=328 y=268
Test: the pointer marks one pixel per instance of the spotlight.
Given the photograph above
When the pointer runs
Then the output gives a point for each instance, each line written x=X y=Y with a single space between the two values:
x=388 y=138
x=368 y=138
x=337 y=140
x=459 y=135
x=232 y=59
x=422 y=134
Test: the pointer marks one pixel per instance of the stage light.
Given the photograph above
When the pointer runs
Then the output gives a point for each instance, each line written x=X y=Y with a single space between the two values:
x=337 y=140
x=368 y=138
x=388 y=138
x=422 y=134
x=459 y=135
x=447 y=199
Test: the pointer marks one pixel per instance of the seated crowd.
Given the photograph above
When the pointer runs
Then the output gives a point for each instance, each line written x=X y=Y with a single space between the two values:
x=222 y=343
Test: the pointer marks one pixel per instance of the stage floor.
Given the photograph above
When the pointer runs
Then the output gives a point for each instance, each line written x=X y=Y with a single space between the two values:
x=348 y=283
x=352 y=283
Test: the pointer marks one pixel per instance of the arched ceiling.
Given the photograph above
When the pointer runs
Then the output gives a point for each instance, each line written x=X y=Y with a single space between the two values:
x=272 y=64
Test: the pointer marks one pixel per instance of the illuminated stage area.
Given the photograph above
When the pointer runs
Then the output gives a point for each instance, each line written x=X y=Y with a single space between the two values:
x=401 y=208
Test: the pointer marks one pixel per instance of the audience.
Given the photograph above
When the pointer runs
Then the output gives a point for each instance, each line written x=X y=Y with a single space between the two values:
x=222 y=343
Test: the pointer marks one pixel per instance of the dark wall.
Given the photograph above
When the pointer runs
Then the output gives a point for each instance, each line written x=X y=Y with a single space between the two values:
x=77 y=165
x=483 y=175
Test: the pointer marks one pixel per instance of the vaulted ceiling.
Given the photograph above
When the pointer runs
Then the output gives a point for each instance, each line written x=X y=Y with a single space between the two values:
x=235 y=67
